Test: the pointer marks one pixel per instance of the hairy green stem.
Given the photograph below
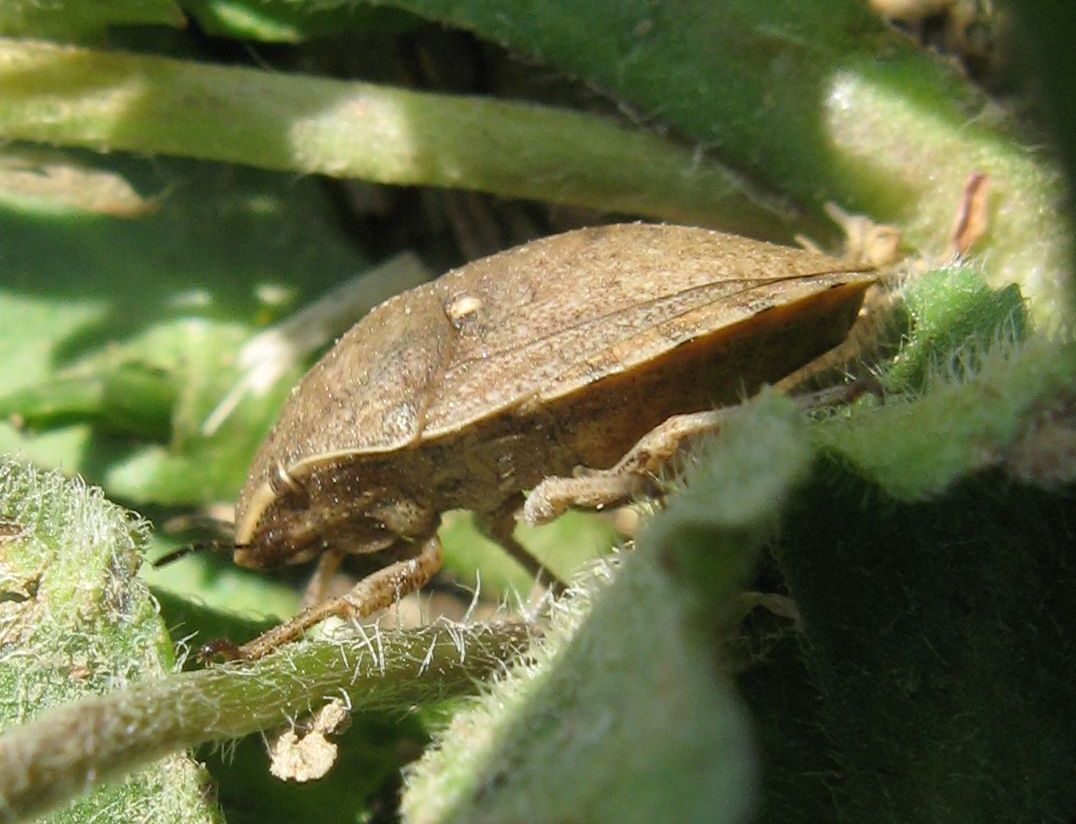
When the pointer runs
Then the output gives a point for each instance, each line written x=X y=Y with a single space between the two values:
x=58 y=755
x=105 y=100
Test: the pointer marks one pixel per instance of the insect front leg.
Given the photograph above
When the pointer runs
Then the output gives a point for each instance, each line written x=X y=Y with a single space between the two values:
x=377 y=591
x=634 y=475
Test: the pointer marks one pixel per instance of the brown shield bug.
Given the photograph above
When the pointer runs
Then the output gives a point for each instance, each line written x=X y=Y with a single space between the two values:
x=565 y=352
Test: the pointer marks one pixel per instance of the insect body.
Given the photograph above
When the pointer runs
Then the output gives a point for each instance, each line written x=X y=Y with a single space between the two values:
x=470 y=389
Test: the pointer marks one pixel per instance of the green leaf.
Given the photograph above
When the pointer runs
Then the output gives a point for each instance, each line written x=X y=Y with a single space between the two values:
x=363 y=668
x=623 y=713
x=938 y=637
x=955 y=319
x=981 y=389
x=819 y=101
x=82 y=20
x=130 y=327
x=77 y=622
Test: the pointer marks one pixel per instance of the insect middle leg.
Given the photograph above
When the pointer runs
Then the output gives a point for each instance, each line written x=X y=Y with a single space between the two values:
x=640 y=470
x=500 y=525
x=317 y=588
x=635 y=474
x=377 y=591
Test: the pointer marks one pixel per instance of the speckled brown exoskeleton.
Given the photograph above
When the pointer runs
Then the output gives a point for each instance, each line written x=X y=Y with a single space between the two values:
x=603 y=348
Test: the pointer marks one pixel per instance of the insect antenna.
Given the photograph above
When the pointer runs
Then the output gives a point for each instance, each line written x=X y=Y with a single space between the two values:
x=183 y=551
x=198 y=522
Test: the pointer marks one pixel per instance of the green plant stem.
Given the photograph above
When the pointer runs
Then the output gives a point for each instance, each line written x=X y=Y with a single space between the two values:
x=53 y=758
x=103 y=100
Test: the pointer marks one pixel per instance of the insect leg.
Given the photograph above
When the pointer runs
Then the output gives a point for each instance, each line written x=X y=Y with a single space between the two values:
x=377 y=591
x=639 y=471
x=632 y=476
x=499 y=526
x=318 y=586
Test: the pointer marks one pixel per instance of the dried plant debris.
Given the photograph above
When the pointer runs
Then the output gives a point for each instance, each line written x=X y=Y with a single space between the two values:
x=305 y=753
